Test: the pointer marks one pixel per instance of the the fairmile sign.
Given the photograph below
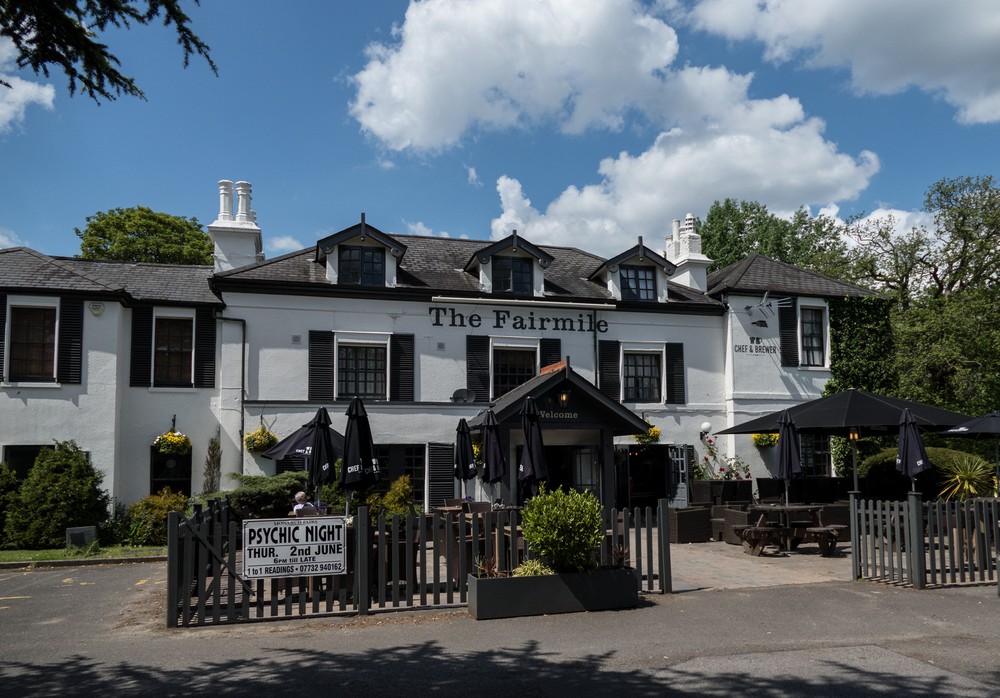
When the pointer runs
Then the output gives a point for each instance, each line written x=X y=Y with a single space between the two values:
x=504 y=319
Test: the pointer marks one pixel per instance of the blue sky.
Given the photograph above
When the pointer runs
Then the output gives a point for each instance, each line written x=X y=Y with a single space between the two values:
x=577 y=123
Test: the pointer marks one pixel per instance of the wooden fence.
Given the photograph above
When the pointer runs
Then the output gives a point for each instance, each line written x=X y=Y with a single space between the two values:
x=940 y=543
x=411 y=562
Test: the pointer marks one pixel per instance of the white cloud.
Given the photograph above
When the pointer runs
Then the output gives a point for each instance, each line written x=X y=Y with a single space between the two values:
x=949 y=49
x=419 y=228
x=280 y=244
x=8 y=238
x=457 y=66
x=15 y=100
x=759 y=150
x=473 y=177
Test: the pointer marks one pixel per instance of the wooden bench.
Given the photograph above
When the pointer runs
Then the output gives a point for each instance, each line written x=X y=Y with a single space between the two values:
x=826 y=537
x=756 y=538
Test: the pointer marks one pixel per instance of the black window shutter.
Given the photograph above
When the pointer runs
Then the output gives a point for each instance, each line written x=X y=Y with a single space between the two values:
x=3 y=327
x=551 y=351
x=477 y=366
x=788 y=330
x=675 y=374
x=321 y=364
x=608 y=367
x=140 y=368
x=70 y=341
x=401 y=368
x=204 y=348
x=440 y=473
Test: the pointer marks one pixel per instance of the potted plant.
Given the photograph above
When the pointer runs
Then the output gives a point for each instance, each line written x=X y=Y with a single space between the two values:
x=172 y=443
x=563 y=530
x=260 y=440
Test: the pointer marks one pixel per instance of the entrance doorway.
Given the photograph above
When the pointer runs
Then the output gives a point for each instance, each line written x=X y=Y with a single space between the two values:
x=574 y=467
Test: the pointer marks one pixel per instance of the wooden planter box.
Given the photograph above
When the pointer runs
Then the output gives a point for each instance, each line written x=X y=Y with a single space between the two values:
x=510 y=597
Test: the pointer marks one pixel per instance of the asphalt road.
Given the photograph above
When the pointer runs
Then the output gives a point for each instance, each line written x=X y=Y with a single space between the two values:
x=101 y=629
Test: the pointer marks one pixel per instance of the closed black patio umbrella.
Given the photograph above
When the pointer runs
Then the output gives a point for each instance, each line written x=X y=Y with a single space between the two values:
x=316 y=442
x=494 y=458
x=532 y=468
x=911 y=458
x=987 y=426
x=789 y=462
x=465 y=459
x=360 y=466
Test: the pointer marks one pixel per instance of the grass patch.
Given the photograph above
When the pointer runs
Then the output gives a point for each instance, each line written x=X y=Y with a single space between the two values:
x=92 y=552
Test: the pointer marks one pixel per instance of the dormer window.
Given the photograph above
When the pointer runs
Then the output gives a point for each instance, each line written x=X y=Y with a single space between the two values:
x=363 y=266
x=638 y=283
x=512 y=275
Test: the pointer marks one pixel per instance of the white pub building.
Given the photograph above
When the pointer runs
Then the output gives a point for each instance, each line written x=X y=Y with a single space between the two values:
x=426 y=331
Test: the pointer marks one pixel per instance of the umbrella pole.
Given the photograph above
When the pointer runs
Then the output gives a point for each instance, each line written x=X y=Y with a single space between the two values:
x=854 y=462
x=787 y=485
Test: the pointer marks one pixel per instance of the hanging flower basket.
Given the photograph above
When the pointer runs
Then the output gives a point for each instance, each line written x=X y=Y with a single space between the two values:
x=172 y=443
x=650 y=437
x=765 y=440
x=260 y=440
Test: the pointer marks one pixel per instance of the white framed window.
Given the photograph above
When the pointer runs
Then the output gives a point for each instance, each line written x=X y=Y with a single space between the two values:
x=173 y=348
x=638 y=283
x=31 y=339
x=812 y=334
x=513 y=361
x=362 y=366
x=642 y=372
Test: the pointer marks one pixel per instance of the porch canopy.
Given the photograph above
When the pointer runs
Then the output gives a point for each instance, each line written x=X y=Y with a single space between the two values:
x=566 y=400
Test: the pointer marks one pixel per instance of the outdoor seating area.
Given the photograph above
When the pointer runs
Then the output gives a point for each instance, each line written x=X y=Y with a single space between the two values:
x=785 y=527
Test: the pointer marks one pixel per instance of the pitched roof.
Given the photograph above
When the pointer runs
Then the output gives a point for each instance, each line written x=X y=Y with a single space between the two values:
x=758 y=273
x=437 y=265
x=28 y=271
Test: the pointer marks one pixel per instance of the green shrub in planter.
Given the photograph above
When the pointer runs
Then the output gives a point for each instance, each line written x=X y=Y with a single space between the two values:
x=564 y=528
x=531 y=568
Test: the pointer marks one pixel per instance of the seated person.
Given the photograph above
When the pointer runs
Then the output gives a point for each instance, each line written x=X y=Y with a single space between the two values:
x=302 y=503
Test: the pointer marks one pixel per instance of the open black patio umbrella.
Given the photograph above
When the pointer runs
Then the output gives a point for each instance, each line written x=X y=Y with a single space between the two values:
x=494 y=458
x=987 y=426
x=465 y=459
x=789 y=462
x=911 y=458
x=852 y=413
x=360 y=467
x=532 y=468
x=316 y=442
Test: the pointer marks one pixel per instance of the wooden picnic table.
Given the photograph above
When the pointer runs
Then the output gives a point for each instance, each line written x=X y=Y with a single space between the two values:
x=785 y=526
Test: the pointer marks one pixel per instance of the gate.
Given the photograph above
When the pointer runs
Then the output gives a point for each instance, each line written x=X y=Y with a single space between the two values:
x=941 y=543
x=411 y=562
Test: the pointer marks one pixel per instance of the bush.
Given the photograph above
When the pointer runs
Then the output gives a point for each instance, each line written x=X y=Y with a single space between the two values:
x=531 y=568
x=146 y=520
x=62 y=490
x=883 y=481
x=8 y=491
x=213 y=466
x=966 y=477
x=260 y=496
x=564 y=528
x=398 y=500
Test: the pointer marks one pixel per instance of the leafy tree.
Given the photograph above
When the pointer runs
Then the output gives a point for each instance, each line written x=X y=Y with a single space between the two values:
x=62 y=489
x=141 y=235
x=67 y=35
x=8 y=490
x=732 y=230
x=945 y=284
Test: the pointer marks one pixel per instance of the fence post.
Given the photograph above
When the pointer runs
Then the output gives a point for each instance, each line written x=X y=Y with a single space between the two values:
x=663 y=532
x=915 y=540
x=855 y=537
x=173 y=562
x=364 y=549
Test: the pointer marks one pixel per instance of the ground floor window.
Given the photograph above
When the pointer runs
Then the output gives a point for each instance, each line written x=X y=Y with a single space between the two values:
x=814 y=452
x=169 y=470
x=21 y=458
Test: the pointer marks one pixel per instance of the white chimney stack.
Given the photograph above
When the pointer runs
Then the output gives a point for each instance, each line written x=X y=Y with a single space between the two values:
x=237 y=240
x=684 y=250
